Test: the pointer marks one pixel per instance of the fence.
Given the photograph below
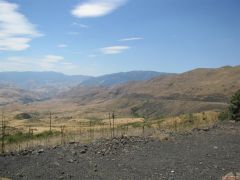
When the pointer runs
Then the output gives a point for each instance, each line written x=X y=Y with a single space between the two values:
x=18 y=138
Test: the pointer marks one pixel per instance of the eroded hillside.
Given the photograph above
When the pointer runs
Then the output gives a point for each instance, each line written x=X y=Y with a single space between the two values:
x=193 y=91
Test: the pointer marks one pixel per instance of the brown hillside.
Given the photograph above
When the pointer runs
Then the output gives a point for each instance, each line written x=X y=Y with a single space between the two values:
x=193 y=91
x=9 y=94
x=214 y=85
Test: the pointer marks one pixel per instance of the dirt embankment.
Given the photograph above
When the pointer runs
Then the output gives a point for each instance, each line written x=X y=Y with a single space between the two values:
x=205 y=154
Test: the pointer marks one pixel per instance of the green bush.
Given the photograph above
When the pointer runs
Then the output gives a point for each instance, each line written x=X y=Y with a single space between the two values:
x=20 y=136
x=234 y=108
x=23 y=116
x=223 y=116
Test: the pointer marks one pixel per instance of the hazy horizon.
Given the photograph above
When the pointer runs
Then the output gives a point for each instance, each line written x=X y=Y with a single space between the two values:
x=112 y=72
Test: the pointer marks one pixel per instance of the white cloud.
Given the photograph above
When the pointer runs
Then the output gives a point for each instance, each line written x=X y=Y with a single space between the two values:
x=84 y=26
x=16 y=32
x=114 y=49
x=62 y=45
x=52 y=59
x=96 y=8
x=131 y=39
x=45 y=63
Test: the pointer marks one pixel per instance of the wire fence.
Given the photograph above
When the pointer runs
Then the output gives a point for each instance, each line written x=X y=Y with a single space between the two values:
x=17 y=138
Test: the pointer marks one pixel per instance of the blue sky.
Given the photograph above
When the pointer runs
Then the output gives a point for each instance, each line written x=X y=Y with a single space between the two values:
x=95 y=37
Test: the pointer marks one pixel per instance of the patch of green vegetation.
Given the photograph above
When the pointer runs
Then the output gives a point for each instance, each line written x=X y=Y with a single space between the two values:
x=134 y=112
x=223 y=116
x=160 y=117
x=234 y=108
x=35 y=117
x=23 y=116
x=20 y=136
x=46 y=134
x=136 y=124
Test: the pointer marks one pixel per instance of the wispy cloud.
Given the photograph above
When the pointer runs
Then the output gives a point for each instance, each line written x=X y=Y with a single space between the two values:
x=62 y=45
x=96 y=8
x=132 y=39
x=16 y=32
x=45 y=63
x=55 y=63
x=114 y=49
x=52 y=59
x=84 y=26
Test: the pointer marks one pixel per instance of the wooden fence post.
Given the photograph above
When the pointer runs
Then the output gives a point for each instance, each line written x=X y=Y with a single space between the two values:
x=143 y=129
x=50 y=122
x=3 y=133
x=110 y=124
x=62 y=133
x=113 y=118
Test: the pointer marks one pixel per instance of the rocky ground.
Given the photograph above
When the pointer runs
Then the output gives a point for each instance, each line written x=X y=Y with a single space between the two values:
x=206 y=154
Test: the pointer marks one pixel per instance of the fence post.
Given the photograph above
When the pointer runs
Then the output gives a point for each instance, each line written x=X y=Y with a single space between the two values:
x=113 y=118
x=90 y=130
x=110 y=123
x=3 y=133
x=30 y=131
x=50 y=122
x=175 y=125
x=62 y=131
x=143 y=129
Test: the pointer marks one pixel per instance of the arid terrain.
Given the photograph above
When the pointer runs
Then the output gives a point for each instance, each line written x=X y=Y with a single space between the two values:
x=120 y=89
x=167 y=127
x=167 y=95
x=201 y=154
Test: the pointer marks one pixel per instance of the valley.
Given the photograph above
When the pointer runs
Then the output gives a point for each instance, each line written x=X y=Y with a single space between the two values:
x=119 y=89
x=162 y=102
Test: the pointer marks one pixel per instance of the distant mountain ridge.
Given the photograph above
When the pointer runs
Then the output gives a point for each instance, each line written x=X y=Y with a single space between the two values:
x=38 y=80
x=30 y=79
x=24 y=86
x=45 y=84
x=123 y=77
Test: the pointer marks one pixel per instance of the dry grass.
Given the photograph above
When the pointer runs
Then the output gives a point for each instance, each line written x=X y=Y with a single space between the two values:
x=122 y=121
x=187 y=122
x=79 y=130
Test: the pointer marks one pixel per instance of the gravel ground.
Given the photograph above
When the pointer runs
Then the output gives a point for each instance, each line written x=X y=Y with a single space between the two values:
x=205 y=154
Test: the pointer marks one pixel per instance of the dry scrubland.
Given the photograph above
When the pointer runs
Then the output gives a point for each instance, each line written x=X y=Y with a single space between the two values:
x=65 y=127
x=146 y=108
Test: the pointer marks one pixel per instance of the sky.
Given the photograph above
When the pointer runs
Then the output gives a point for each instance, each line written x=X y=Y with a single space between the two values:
x=95 y=37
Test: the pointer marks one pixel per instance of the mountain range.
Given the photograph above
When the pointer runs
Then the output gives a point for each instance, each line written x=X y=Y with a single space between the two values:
x=193 y=91
x=45 y=85
x=35 y=80
x=123 y=77
x=31 y=80
x=136 y=93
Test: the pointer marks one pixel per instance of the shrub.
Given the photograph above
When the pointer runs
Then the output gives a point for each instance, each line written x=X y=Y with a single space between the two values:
x=223 y=116
x=20 y=136
x=234 y=108
x=22 y=116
